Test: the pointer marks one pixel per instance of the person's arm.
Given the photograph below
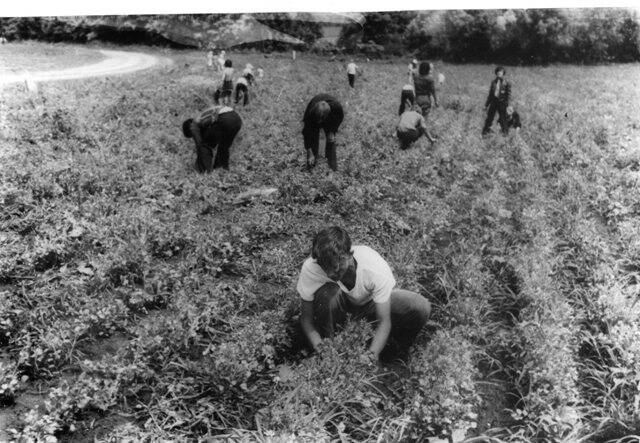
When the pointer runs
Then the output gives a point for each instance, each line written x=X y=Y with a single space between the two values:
x=196 y=133
x=422 y=124
x=433 y=93
x=306 y=321
x=381 y=335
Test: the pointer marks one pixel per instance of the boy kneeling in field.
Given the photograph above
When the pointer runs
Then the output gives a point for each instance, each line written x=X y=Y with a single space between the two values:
x=412 y=126
x=215 y=127
x=339 y=279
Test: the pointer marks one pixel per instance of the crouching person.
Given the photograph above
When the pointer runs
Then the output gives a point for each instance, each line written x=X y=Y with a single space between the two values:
x=323 y=112
x=339 y=279
x=242 y=91
x=214 y=128
x=412 y=126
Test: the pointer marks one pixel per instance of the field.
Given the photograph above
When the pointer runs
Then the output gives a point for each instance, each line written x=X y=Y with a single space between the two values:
x=140 y=300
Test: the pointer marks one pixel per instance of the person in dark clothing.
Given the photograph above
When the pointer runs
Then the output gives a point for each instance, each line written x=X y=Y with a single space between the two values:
x=227 y=82
x=513 y=119
x=497 y=101
x=323 y=112
x=425 y=89
x=242 y=91
x=407 y=96
x=216 y=127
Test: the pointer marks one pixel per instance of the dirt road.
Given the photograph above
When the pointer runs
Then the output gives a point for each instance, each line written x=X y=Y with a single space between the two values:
x=116 y=62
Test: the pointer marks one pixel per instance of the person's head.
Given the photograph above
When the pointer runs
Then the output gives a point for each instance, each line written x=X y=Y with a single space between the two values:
x=425 y=68
x=500 y=72
x=509 y=110
x=186 y=128
x=332 y=250
x=227 y=63
x=320 y=111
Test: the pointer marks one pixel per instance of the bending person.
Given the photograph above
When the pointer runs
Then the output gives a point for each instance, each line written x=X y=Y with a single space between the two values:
x=214 y=128
x=323 y=112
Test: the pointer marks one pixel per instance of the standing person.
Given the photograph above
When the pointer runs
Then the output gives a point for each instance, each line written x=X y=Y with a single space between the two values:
x=210 y=59
x=497 y=101
x=412 y=126
x=425 y=88
x=222 y=57
x=413 y=69
x=215 y=127
x=260 y=73
x=227 y=82
x=242 y=91
x=323 y=112
x=408 y=96
x=352 y=69
x=340 y=278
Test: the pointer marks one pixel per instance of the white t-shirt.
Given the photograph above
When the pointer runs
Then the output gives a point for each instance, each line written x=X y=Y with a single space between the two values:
x=242 y=81
x=351 y=68
x=374 y=279
x=408 y=87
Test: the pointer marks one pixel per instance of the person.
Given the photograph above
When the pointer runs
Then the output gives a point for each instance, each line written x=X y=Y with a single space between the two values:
x=424 y=88
x=352 y=69
x=497 y=101
x=248 y=73
x=215 y=127
x=513 y=119
x=242 y=91
x=210 y=59
x=227 y=82
x=412 y=126
x=339 y=278
x=413 y=69
x=408 y=95
x=323 y=112
x=222 y=57
x=260 y=73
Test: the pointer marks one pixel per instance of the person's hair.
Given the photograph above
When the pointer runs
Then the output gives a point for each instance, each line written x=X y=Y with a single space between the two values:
x=227 y=63
x=498 y=69
x=186 y=128
x=424 y=68
x=329 y=245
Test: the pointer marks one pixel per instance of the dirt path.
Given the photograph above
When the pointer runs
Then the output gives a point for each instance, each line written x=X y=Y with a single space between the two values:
x=116 y=62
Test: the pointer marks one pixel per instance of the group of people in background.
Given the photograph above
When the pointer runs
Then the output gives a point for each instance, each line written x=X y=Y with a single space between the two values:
x=217 y=127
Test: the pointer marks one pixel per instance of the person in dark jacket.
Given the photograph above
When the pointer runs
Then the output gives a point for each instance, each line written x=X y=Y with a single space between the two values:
x=323 y=112
x=497 y=101
x=214 y=128
x=242 y=91
x=425 y=89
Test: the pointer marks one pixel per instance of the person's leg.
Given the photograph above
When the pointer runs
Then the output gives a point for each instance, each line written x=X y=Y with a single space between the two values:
x=502 y=117
x=246 y=96
x=409 y=313
x=329 y=309
x=204 y=158
x=311 y=136
x=227 y=127
x=330 y=149
x=491 y=113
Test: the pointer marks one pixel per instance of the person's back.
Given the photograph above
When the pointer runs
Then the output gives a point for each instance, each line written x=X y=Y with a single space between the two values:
x=409 y=119
x=423 y=84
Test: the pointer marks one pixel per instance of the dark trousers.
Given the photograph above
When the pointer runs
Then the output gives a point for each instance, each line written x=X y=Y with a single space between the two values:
x=408 y=136
x=406 y=95
x=242 y=92
x=225 y=130
x=311 y=136
x=424 y=101
x=352 y=79
x=409 y=313
x=501 y=108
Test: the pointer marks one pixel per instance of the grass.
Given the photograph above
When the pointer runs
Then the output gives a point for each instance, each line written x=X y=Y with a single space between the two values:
x=37 y=56
x=525 y=245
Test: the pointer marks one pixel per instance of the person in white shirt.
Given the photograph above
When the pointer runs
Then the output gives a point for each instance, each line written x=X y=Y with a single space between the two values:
x=352 y=69
x=338 y=279
x=242 y=91
x=247 y=73
x=227 y=82
x=210 y=59
x=221 y=59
